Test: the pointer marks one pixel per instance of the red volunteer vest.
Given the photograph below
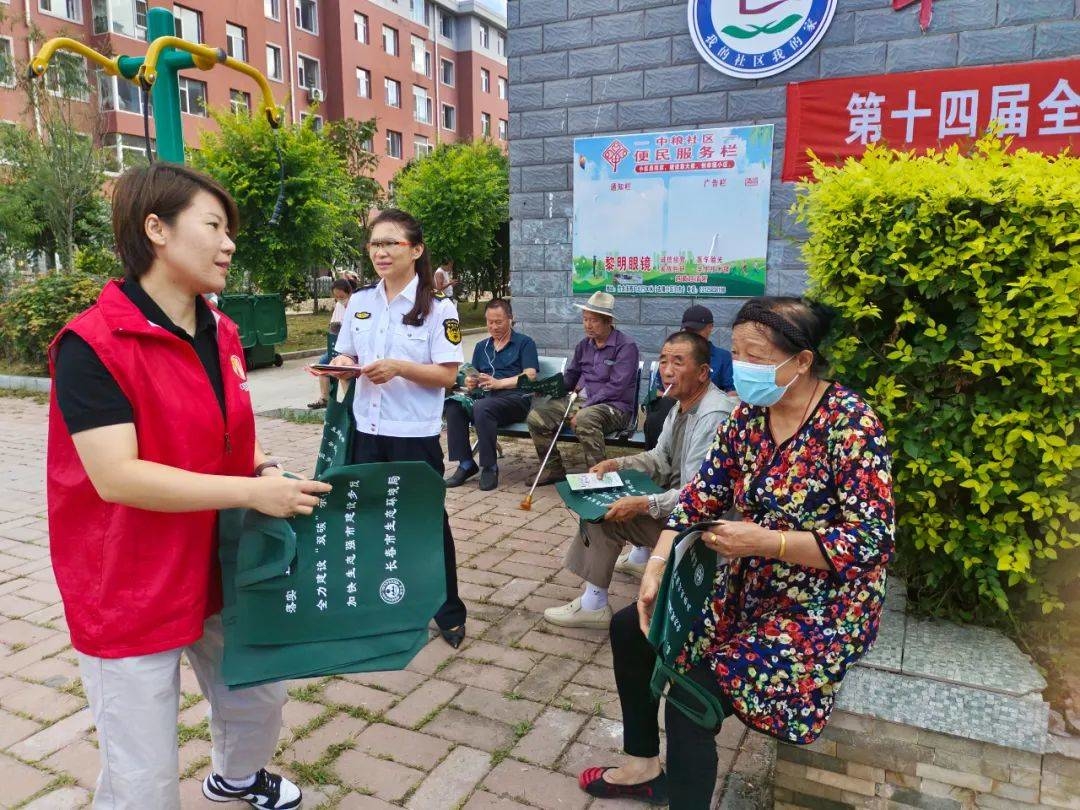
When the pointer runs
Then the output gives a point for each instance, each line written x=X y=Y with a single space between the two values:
x=136 y=582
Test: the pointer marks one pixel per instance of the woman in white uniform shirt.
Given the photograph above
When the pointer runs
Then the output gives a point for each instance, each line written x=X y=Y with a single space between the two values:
x=407 y=338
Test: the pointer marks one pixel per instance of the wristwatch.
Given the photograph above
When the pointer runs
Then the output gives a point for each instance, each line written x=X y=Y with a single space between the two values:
x=654 y=508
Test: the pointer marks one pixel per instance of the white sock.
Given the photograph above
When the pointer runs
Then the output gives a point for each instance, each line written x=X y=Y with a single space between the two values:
x=639 y=555
x=247 y=781
x=594 y=597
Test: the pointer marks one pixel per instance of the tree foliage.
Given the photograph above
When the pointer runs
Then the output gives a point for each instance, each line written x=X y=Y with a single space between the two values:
x=461 y=195
x=318 y=205
x=37 y=310
x=351 y=140
x=956 y=276
x=53 y=172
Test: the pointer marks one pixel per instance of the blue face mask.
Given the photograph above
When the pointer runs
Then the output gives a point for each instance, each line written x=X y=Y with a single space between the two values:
x=756 y=384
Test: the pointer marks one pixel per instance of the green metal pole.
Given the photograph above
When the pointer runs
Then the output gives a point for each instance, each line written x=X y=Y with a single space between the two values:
x=166 y=89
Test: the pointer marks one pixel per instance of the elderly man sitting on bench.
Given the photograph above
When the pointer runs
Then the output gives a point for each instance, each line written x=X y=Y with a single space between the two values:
x=603 y=371
x=700 y=408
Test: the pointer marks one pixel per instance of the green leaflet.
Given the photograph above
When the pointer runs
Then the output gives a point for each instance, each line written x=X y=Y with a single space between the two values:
x=752 y=31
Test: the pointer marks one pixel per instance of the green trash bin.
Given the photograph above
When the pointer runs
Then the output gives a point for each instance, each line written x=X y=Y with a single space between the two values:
x=261 y=320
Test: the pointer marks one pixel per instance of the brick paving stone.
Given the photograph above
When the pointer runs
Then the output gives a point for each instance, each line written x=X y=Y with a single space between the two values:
x=486 y=653
x=346 y=693
x=20 y=781
x=496 y=706
x=400 y=682
x=596 y=677
x=65 y=798
x=550 y=734
x=474 y=593
x=579 y=756
x=592 y=701
x=53 y=738
x=477 y=577
x=535 y=785
x=384 y=779
x=452 y=781
x=471 y=729
x=558 y=645
x=80 y=760
x=482 y=800
x=14 y=728
x=547 y=678
x=35 y=652
x=405 y=747
x=600 y=732
x=422 y=702
x=297 y=714
x=16 y=631
x=513 y=626
x=358 y=801
x=486 y=676
x=434 y=655
x=338 y=730
x=514 y=591
x=41 y=702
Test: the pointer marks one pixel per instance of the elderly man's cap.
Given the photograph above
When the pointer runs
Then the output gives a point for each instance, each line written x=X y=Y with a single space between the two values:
x=697 y=317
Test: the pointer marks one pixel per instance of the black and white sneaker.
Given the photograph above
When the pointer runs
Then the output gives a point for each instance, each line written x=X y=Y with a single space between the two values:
x=268 y=790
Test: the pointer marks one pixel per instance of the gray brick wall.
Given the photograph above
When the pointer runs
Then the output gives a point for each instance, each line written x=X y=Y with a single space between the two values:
x=592 y=67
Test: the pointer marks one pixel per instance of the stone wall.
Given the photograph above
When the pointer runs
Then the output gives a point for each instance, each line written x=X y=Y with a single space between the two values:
x=869 y=763
x=590 y=67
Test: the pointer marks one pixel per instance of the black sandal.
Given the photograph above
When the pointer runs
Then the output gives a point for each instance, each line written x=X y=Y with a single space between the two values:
x=453 y=635
x=318 y=404
x=654 y=791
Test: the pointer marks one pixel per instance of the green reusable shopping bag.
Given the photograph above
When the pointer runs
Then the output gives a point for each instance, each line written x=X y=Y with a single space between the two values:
x=685 y=589
x=552 y=386
x=335 y=449
x=367 y=561
x=592 y=506
x=245 y=665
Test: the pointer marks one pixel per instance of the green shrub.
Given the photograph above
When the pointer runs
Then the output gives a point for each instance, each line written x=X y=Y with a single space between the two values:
x=98 y=260
x=37 y=310
x=956 y=279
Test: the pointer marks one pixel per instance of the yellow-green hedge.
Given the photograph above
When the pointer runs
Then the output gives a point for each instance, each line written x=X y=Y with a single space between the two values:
x=956 y=279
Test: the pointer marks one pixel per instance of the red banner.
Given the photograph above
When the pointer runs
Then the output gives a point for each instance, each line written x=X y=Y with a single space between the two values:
x=1037 y=104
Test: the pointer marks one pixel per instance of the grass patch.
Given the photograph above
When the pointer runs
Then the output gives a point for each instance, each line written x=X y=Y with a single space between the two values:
x=199 y=731
x=320 y=772
x=308 y=693
x=196 y=766
x=521 y=729
x=40 y=397
x=299 y=417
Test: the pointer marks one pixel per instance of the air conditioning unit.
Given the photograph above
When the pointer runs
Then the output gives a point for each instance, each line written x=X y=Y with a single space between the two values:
x=315 y=95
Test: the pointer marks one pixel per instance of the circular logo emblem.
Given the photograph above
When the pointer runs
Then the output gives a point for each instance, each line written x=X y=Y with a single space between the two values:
x=237 y=367
x=699 y=575
x=751 y=39
x=392 y=591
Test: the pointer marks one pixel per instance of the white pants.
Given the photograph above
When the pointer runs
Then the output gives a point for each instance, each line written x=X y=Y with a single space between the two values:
x=135 y=702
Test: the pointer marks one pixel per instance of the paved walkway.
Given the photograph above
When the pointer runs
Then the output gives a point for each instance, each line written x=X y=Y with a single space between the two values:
x=505 y=722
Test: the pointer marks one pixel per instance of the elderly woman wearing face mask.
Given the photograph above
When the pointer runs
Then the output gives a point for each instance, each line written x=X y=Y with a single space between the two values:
x=804 y=462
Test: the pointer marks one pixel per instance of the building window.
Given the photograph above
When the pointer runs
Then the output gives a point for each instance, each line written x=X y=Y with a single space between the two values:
x=192 y=96
x=67 y=77
x=485 y=125
x=421 y=105
x=447 y=72
x=449 y=117
x=485 y=80
x=393 y=144
x=502 y=129
x=485 y=36
x=67 y=9
x=7 y=63
x=307 y=16
x=390 y=40
x=316 y=120
x=240 y=102
x=500 y=44
x=393 y=92
x=236 y=41
x=421 y=59
x=188 y=24
x=422 y=147
x=363 y=83
x=446 y=25
x=127 y=17
x=130 y=150
x=272 y=9
x=502 y=88
x=273 y=62
x=115 y=93
x=307 y=72
x=418 y=10
x=360 y=27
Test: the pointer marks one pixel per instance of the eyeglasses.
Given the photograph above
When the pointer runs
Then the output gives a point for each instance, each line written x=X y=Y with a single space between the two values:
x=387 y=244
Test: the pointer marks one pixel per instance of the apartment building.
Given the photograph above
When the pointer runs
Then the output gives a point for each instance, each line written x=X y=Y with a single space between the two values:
x=429 y=71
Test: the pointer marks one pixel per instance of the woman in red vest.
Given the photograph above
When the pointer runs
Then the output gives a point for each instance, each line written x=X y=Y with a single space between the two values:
x=150 y=433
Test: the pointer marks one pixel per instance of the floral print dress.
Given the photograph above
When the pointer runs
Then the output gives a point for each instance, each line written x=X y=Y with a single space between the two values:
x=780 y=637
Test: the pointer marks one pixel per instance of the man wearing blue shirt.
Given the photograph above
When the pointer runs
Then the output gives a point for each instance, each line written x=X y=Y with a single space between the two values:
x=498 y=360
x=699 y=320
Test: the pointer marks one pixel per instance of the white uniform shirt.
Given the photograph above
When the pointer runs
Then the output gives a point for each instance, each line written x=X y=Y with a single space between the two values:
x=373 y=330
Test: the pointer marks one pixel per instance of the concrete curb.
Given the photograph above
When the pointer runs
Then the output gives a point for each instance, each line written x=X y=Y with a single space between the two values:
x=14 y=382
x=301 y=353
